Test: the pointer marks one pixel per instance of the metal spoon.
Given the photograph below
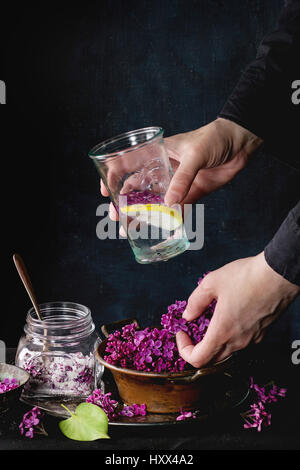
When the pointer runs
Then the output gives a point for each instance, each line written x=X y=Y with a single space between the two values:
x=23 y=273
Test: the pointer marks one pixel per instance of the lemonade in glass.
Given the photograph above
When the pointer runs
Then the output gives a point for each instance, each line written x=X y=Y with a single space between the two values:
x=136 y=171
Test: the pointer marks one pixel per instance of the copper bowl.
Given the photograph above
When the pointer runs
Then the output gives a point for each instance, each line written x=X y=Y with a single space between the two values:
x=166 y=392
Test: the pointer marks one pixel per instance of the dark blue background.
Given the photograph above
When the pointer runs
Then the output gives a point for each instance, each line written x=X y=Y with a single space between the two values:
x=79 y=74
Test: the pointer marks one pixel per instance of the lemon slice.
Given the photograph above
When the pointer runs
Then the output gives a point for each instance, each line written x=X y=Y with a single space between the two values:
x=166 y=218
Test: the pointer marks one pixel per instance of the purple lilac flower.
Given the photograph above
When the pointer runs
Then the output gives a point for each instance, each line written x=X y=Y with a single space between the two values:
x=105 y=402
x=85 y=376
x=269 y=396
x=155 y=350
x=34 y=371
x=134 y=410
x=185 y=415
x=142 y=197
x=259 y=415
x=8 y=384
x=111 y=407
x=30 y=424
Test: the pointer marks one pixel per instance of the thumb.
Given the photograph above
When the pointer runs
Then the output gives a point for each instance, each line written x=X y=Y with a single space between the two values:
x=212 y=345
x=181 y=181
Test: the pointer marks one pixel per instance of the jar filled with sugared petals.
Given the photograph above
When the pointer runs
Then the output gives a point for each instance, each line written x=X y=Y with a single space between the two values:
x=58 y=351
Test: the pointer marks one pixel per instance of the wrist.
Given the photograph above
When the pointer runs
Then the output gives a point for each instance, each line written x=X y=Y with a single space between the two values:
x=276 y=280
x=242 y=140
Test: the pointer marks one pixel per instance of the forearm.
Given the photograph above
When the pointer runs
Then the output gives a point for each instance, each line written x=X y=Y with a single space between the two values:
x=283 y=252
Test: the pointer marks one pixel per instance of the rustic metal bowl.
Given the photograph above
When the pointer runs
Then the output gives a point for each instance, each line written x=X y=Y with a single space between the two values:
x=10 y=371
x=166 y=392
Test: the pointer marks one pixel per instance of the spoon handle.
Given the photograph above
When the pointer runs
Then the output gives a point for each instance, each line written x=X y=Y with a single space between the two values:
x=21 y=268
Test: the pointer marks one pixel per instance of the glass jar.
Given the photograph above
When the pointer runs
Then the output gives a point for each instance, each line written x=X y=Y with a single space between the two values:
x=58 y=351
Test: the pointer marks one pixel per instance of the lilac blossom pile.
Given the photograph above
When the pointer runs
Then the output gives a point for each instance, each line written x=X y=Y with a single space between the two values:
x=31 y=425
x=112 y=408
x=142 y=197
x=259 y=415
x=155 y=349
x=8 y=384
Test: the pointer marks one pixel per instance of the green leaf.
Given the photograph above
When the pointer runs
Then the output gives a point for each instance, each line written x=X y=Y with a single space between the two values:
x=88 y=423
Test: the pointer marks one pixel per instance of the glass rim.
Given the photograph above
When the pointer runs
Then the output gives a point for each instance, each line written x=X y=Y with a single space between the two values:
x=74 y=322
x=84 y=315
x=96 y=154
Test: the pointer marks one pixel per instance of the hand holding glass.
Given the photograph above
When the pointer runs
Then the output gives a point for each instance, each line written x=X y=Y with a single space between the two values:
x=136 y=171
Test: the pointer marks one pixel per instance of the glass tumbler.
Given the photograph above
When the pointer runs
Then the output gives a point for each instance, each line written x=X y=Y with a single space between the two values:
x=136 y=171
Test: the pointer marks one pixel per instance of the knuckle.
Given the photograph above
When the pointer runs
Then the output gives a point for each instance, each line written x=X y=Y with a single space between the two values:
x=191 y=152
x=205 y=282
x=182 y=178
x=208 y=281
x=241 y=343
x=196 y=364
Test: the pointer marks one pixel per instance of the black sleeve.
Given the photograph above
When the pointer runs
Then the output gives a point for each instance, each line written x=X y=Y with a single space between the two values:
x=262 y=100
x=283 y=251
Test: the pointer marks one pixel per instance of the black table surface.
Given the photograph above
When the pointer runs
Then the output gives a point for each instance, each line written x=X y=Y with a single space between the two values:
x=219 y=433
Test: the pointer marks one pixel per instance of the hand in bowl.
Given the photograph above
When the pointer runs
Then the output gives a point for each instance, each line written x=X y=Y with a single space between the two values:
x=250 y=296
